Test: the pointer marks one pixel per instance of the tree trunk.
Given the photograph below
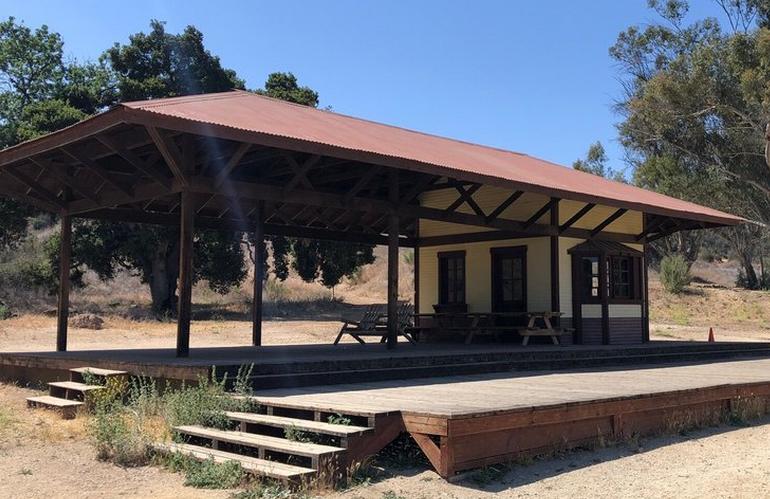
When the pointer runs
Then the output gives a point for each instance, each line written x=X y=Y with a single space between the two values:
x=752 y=282
x=163 y=279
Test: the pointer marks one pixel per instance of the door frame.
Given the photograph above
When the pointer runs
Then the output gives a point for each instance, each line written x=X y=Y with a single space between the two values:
x=520 y=251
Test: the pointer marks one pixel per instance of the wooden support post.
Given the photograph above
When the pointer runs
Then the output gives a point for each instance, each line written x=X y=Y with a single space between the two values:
x=645 y=288
x=555 y=303
x=416 y=260
x=259 y=271
x=184 y=307
x=393 y=230
x=63 y=303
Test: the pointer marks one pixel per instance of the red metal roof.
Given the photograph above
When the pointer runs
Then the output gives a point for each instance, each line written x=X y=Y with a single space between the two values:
x=254 y=113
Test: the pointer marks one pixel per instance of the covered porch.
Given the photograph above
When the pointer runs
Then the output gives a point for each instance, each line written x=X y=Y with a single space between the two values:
x=494 y=231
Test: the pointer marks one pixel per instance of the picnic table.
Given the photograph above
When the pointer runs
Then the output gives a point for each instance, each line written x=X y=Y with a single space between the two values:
x=472 y=324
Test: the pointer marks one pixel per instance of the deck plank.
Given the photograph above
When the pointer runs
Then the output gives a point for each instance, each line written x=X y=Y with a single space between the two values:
x=486 y=393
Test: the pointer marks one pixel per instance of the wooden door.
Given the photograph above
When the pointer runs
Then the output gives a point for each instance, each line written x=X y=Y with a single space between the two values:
x=509 y=280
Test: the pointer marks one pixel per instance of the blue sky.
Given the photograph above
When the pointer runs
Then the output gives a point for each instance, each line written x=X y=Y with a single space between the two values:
x=530 y=76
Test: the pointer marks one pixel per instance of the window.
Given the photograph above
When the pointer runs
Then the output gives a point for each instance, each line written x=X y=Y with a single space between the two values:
x=621 y=277
x=451 y=277
x=590 y=274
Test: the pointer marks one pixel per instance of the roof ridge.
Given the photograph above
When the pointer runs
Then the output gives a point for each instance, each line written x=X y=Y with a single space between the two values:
x=379 y=123
x=178 y=99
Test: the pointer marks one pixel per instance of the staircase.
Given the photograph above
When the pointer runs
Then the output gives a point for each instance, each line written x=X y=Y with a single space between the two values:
x=293 y=444
x=67 y=396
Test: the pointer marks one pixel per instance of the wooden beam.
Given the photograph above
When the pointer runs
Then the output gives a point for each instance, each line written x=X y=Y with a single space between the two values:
x=393 y=261
x=35 y=186
x=577 y=216
x=259 y=271
x=170 y=152
x=63 y=301
x=554 y=240
x=231 y=164
x=407 y=211
x=619 y=213
x=371 y=172
x=68 y=180
x=418 y=188
x=429 y=448
x=244 y=225
x=97 y=170
x=464 y=196
x=8 y=192
x=300 y=171
x=650 y=227
x=539 y=213
x=145 y=167
x=416 y=270
x=504 y=205
x=184 y=307
x=468 y=196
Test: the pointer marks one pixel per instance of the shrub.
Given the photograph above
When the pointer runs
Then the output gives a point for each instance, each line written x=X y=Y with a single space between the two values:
x=674 y=273
x=119 y=436
x=205 y=474
x=5 y=312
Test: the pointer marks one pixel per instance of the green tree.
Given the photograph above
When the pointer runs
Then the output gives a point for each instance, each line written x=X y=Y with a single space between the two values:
x=40 y=93
x=595 y=163
x=160 y=64
x=696 y=104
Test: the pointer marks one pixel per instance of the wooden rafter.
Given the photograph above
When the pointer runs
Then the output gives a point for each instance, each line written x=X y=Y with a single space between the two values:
x=539 y=213
x=468 y=197
x=97 y=170
x=504 y=205
x=170 y=152
x=300 y=171
x=577 y=216
x=418 y=188
x=617 y=214
x=23 y=197
x=36 y=187
x=362 y=182
x=231 y=164
x=651 y=227
x=76 y=185
x=145 y=167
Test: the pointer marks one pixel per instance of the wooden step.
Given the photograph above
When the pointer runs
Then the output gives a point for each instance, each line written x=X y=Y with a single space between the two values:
x=74 y=386
x=336 y=430
x=97 y=371
x=272 y=469
x=263 y=442
x=72 y=390
x=315 y=407
x=67 y=408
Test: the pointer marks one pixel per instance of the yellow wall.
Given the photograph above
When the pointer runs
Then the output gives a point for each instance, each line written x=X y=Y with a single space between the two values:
x=478 y=273
x=478 y=276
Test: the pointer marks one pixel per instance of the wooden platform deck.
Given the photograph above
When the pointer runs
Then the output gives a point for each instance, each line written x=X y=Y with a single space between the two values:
x=303 y=365
x=464 y=422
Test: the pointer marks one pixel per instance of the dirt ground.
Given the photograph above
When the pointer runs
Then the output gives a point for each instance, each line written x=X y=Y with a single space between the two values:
x=44 y=456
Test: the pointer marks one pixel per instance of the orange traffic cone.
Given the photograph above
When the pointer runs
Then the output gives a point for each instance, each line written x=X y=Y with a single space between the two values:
x=711 y=335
